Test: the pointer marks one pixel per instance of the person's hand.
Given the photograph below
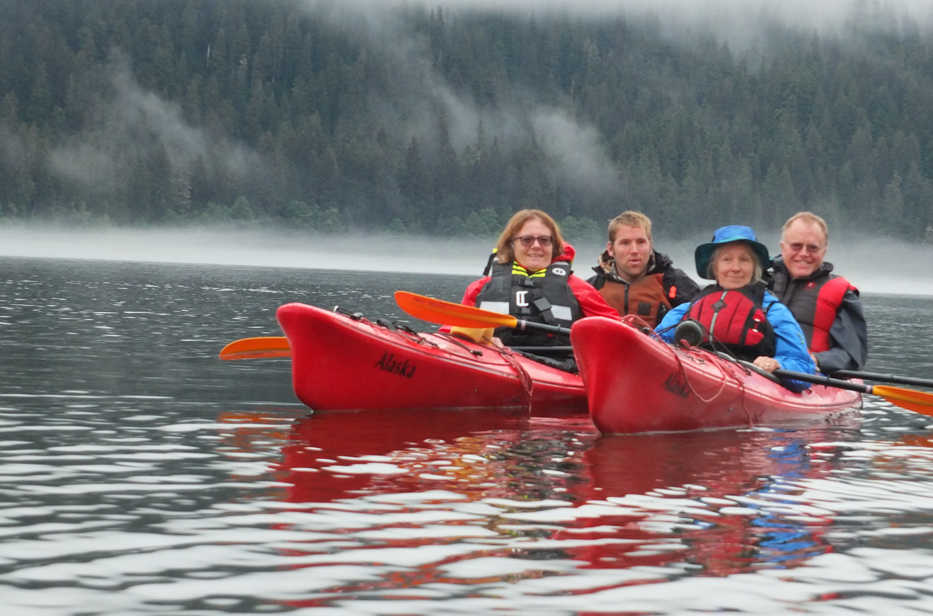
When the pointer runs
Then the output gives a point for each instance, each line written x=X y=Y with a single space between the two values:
x=768 y=364
x=816 y=364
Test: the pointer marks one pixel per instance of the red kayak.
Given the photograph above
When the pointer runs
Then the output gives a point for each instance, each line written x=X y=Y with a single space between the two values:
x=636 y=382
x=345 y=362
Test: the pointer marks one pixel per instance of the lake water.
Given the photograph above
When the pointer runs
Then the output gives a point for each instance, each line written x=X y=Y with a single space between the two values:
x=143 y=475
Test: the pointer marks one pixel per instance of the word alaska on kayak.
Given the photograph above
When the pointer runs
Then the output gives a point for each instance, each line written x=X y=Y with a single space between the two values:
x=388 y=363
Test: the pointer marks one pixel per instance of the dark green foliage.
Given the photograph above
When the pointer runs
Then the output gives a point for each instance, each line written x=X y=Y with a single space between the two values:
x=437 y=121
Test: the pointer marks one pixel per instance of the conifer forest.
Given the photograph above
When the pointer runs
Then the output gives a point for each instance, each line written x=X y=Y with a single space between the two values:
x=425 y=118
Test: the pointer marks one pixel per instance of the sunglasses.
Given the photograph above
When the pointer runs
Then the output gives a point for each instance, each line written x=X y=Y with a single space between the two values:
x=801 y=247
x=529 y=240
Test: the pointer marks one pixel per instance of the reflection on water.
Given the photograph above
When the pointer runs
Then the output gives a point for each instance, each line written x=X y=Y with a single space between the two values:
x=141 y=475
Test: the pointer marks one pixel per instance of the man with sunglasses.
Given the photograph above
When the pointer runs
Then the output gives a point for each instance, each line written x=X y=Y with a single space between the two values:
x=634 y=278
x=827 y=306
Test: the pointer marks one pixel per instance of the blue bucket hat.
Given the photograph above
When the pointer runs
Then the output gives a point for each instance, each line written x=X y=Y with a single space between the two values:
x=728 y=235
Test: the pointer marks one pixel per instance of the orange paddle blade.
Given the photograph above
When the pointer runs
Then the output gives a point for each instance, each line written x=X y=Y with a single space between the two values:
x=252 y=348
x=919 y=401
x=448 y=313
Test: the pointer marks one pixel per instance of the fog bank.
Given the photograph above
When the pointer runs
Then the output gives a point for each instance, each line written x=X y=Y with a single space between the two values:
x=875 y=265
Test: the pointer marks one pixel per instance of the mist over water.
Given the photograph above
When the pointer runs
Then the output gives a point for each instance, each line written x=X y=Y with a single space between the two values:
x=876 y=265
x=359 y=251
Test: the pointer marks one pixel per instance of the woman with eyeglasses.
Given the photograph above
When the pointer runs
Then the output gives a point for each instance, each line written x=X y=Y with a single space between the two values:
x=531 y=278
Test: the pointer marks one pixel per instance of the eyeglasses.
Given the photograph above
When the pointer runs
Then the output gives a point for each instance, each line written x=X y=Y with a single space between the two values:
x=801 y=247
x=529 y=240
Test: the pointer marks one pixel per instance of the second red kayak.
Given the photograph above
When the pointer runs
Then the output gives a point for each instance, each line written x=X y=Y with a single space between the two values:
x=346 y=362
x=635 y=382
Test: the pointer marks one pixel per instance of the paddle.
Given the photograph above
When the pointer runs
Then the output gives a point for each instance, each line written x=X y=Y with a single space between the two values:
x=252 y=348
x=877 y=376
x=448 y=313
x=277 y=346
x=919 y=401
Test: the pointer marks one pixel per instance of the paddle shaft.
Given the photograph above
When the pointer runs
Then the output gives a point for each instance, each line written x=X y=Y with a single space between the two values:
x=545 y=327
x=442 y=312
x=819 y=379
x=277 y=346
x=888 y=378
x=912 y=399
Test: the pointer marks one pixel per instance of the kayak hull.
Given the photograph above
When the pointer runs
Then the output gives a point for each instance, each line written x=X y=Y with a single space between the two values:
x=637 y=383
x=346 y=362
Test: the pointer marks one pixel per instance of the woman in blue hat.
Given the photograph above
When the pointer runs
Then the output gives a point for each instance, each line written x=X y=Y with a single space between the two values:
x=738 y=314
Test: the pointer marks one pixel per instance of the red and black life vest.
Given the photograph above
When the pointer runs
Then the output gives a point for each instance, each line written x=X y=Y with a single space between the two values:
x=544 y=296
x=813 y=301
x=735 y=320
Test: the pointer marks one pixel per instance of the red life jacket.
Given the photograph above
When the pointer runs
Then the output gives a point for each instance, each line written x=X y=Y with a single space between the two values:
x=813 y=301
x=735 y=319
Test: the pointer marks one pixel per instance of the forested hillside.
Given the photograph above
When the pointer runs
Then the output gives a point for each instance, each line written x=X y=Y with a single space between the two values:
x=429 y=119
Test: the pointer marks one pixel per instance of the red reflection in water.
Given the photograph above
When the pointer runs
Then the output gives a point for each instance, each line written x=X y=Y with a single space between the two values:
x=725 y=501
x=712 y=473
x=408 y=440
x=915 y=440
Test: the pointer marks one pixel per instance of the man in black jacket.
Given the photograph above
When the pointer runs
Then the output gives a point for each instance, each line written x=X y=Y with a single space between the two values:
x=634 y=278
x=827 y=306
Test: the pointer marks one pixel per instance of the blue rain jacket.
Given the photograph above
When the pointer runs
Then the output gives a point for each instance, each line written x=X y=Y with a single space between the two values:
x=791 y=353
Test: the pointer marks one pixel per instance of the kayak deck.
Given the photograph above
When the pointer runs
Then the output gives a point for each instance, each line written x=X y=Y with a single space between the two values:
x=635 y=382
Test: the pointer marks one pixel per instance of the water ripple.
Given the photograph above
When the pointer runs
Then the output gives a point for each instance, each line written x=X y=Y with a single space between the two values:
x=143 y=475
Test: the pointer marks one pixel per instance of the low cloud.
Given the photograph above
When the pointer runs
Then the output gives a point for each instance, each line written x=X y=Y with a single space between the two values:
x=85 y=164
x=577 y=150
x=573 y=148
x=129 y=124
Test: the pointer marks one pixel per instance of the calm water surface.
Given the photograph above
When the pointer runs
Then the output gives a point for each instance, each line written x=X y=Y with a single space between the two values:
x=143 y=475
